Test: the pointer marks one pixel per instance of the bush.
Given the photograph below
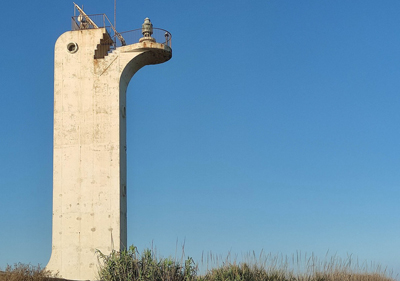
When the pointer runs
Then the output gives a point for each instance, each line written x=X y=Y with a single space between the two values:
x=243 y=272
x=130 y=265
x=26 y=272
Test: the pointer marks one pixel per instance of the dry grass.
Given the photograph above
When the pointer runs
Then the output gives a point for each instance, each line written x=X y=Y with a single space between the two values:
x=298 y=267
x=26 y=272
x=245 y=272
x=130 y=265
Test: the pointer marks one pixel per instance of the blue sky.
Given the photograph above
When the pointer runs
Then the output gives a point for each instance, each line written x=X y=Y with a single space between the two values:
x=274 y=126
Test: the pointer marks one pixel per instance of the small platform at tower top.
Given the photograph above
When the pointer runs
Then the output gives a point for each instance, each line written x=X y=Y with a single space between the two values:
x=81 y=20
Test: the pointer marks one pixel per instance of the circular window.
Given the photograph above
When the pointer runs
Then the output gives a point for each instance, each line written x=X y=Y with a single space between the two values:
x=72 y=47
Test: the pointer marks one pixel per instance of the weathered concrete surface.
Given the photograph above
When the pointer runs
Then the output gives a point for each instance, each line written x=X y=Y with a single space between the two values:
x=89 y=169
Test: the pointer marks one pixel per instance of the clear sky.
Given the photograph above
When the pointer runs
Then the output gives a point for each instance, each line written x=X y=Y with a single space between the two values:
x=274 y=126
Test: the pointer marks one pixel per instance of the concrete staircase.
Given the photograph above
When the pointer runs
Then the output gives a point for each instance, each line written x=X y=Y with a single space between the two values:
x=103 y=64
x=103 y=47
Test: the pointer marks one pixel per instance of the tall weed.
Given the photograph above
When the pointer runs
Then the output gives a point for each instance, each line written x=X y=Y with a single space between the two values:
x=130 y=265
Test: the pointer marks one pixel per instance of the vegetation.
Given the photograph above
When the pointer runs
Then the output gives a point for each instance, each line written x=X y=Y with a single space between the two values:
x=130 y=265
x=24 y=272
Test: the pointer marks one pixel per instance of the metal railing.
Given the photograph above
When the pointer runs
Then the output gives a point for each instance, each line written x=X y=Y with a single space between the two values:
x=133 y=36
x=120 y=39
x=101 y=20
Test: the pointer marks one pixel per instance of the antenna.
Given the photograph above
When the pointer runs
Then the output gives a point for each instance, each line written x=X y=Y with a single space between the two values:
x=115 y=14
x=121 y=39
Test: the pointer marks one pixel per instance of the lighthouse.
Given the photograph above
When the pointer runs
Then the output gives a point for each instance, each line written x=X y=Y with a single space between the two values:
x=93 y=65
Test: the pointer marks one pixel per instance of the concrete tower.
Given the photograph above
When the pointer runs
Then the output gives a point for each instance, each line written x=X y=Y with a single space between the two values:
x=92 y=70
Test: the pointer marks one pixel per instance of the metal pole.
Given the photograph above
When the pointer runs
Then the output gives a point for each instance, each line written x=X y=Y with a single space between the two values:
x=115 y=14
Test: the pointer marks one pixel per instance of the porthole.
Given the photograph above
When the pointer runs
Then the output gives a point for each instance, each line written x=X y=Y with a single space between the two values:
x=72 y=47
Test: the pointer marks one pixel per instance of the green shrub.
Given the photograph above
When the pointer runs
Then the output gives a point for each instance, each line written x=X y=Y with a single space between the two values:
x=130 y=265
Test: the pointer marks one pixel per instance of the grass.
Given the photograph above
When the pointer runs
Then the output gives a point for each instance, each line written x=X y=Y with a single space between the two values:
x=131 y=265
x=146 y=266
x=26 y=272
